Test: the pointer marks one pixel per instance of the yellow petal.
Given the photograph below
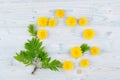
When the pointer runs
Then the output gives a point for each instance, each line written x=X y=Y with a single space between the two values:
x=60 y=13
x=84 y=63
x=68 y=65
x=42 y=34
x=95 y=50
x=42 y=21
x=88 y=34
x=83 y=21
x=52 y=22
x=76 y=52
x=71 y=21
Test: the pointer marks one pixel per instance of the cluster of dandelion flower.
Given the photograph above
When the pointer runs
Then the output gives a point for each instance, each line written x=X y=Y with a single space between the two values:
x=76 y=51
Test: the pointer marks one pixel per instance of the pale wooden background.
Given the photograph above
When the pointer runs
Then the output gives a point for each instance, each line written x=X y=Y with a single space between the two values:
x=104 y=18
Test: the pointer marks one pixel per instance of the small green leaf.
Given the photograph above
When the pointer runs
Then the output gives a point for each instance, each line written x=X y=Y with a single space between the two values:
x=52 y=65
x=84 y=47
x=31 y=30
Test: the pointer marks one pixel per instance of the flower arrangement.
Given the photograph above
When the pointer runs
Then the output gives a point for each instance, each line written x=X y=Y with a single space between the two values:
x=35 y=53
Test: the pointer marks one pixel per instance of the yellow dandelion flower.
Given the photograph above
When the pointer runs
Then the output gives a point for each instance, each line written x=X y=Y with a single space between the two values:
x=95 y=50
x=84 y=63
x=76 y=52
x=42 y=34
x=42 y=21
x=68 y=65
x=88 y=34
x=83 y=21
x=60 y=13
x=71 y=21
x=52 y=22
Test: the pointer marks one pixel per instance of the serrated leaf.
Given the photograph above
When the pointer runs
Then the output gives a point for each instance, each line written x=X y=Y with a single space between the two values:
x=84 y=47
x=52 y=65
x=33 y=45
x=31 y=30
x=24 y=58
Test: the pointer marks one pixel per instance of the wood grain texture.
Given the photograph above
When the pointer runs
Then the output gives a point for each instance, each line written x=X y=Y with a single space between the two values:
x=104 y=18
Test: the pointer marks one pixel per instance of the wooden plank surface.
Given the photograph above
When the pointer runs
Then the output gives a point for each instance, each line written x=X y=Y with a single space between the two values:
x=104 y=18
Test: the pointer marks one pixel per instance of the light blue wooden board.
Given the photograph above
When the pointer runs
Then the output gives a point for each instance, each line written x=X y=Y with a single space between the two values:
x=104 y=18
